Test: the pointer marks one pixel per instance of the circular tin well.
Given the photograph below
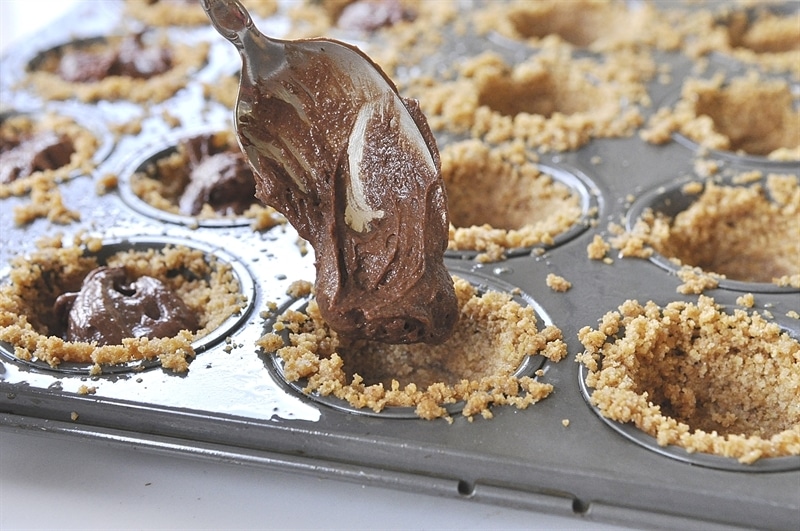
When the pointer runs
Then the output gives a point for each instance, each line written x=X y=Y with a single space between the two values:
x=207 y=271
x=716 y=230
x=688 y=388
x=501 y=209
x=198 y=180
x=527 y=366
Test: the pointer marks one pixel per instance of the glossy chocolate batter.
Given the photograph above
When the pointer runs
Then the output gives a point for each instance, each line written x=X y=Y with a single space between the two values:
x=356 y=171
x=25 y=155
x=131 y=58
x=109 y=308
x=222 y=179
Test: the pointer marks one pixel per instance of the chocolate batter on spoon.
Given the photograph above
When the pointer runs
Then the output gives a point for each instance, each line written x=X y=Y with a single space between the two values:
x=355 y=169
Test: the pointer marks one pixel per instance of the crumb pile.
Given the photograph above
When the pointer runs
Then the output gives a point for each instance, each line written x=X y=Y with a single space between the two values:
x=498 y=199
x=747 y=233
x=28 y=321
x=476 y=365
x=694 y=376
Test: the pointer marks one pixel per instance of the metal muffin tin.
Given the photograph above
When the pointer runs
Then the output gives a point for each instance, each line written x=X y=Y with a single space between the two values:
x=233 y=404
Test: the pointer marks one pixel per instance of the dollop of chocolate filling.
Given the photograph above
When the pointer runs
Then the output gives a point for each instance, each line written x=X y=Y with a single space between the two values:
x=130 y=57
x=220 y=178
x=369 y=15
x=25 y=155
x=357 y=172
x=110 y=308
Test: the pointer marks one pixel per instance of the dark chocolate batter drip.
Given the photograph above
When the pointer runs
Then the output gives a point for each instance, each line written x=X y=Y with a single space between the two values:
x=109 y=309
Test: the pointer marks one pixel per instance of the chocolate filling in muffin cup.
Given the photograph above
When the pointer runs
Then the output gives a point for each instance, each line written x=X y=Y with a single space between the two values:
x=467 y=380
x=138 y=67
x=743 y=232
x=62 y=143
x=697 y=382
x=499 y=208
x=201 y=180
x=138 y=278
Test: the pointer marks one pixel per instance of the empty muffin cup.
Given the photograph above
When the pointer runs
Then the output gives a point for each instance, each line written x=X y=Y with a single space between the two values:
x=492 y=359
x=697 y=382
x=744 y=118
x=743 y=232
x=765 y=36
x=550 y=102
x=201 y=179
x=500 y=206
x=123 y=305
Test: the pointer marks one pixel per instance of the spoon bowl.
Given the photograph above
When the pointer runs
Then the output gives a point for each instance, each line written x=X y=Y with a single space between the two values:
x=355 y=169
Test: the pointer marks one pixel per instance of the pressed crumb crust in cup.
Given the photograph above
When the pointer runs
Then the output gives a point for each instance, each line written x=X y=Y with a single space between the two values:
x=746 y=115
x=694 y=376
x=550 y=102
x=588 y=24
x=498 y=199
x=186 y=12
x=744 y=233
x=762 y=36
x=475 y=366
x=28 y=320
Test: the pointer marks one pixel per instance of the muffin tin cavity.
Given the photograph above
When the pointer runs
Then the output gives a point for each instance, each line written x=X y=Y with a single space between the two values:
x=201 y=179
x=581 y=23
x=138 y=67
x=36 y=305
x=48 y=147
x=493 y=358
x=693 y=379
x=551 y=101
x=766 y=35
x=745 y=117
x=745 y=232
x=502 y=204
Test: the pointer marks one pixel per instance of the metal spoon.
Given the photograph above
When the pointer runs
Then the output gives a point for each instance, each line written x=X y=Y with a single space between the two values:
x=355 y=169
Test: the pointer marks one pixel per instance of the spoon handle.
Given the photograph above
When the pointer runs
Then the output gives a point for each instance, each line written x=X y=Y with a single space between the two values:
x=230 y=19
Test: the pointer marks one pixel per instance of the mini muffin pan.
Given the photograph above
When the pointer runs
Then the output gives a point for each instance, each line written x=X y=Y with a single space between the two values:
x=556 y=456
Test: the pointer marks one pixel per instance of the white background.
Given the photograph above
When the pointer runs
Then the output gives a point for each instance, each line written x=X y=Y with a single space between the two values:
x=49 y=482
